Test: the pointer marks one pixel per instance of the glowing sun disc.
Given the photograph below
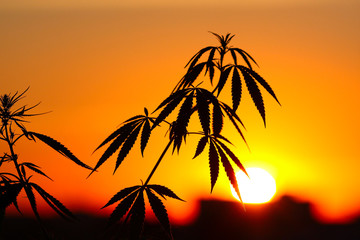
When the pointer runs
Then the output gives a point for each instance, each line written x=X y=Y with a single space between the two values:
x=259 y=188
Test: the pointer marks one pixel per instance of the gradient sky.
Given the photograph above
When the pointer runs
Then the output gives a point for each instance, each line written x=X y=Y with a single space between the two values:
x=71 y=4
x=94 y=68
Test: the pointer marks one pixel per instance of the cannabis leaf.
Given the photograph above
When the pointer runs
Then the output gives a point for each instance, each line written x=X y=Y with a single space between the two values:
x=219 y=152
x=211 y=112
x=131 y=201
x=204 y=99
x=215 y=61
x=159 y=210
x=34 y=168
x=164 y=191
x=12 y=120
x=55 y=204
x=214 y=164
x=124 y=138
x=58 y=147
x=243 y=54
x=251 y=79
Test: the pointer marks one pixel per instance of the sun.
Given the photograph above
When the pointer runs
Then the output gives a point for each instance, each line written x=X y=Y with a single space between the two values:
x=259 y=188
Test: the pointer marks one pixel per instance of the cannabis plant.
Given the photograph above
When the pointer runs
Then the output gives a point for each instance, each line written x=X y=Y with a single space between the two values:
x=190 y=99
x=13 y=120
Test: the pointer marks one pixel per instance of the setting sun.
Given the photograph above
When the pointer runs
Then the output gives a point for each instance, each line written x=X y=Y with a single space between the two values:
x=259 y=187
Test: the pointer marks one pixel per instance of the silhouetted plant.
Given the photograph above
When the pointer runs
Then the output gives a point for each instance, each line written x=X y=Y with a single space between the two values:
x=211 y=112
x=12 y=183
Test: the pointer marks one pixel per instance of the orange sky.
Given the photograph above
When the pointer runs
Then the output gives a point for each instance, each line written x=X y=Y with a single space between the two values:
x=96 y=68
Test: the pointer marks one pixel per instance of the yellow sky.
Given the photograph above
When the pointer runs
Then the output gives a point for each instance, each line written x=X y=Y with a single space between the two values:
x=94 y=69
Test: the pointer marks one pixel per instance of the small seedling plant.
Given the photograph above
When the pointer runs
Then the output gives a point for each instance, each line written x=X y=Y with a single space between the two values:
x=188 y=98
x=12 y=131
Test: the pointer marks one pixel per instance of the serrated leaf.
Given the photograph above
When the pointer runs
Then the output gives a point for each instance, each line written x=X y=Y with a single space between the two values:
x=233 y=157
x=174 y=100
x=219 y=38
x=159 y=211
x=122 y=208
x=191 y=75
x=145 y=134
x=170 y=98
x=263 y=83
x=203 y=111
x=175 y=138
x=31 y=198
x=255 y=94
x=137 y=217
x=223 y=138
x=211 y=69
x=229 y=171
x=211 y=54
x=217 y=122
x=236 y=89
x=121 y=194
x=23 y=129
x=22 y=169
x=214 y=164
x=164 y=191
x=210 y=64
x=2 y=160
x=55 y=204
x=233 y=54
x=200 y=147
x=134 y=119
x=57 y=146
x=179 y=127
x=123 y=129
x=197 y=56
x=126 y=147
x=231 y=112
x=223 y=78
x=35 y=168
x=184 y=117
x=245 y=56
x=114 y=146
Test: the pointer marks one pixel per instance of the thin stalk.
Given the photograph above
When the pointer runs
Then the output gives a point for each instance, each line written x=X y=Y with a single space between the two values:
x=222 y=53
x=13 y=155
x=22 y=180
x=152 y=173
x=158 y=162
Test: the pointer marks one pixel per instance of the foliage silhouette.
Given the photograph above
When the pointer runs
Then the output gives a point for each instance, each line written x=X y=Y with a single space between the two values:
x=11 y=184
x=189 y=99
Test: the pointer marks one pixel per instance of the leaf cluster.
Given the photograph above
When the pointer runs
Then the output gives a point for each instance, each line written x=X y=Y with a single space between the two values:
x=132 y=204
x=13 y=183
x=125 y=137
x=215 y=61
x=189 y=99
x=219 y=152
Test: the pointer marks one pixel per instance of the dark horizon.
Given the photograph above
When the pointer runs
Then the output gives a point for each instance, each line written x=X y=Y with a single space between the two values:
x=285 y=218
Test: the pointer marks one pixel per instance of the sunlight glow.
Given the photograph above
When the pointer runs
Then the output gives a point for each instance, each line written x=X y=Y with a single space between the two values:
x=259 y=188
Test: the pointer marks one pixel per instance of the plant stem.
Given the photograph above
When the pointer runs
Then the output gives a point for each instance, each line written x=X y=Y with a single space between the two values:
x=23 y=182
x=222 y=54
x=13 y=155
x=158 y=162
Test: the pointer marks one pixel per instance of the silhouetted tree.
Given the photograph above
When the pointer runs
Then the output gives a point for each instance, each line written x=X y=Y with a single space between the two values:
x=189 y=98
x=12 y=130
